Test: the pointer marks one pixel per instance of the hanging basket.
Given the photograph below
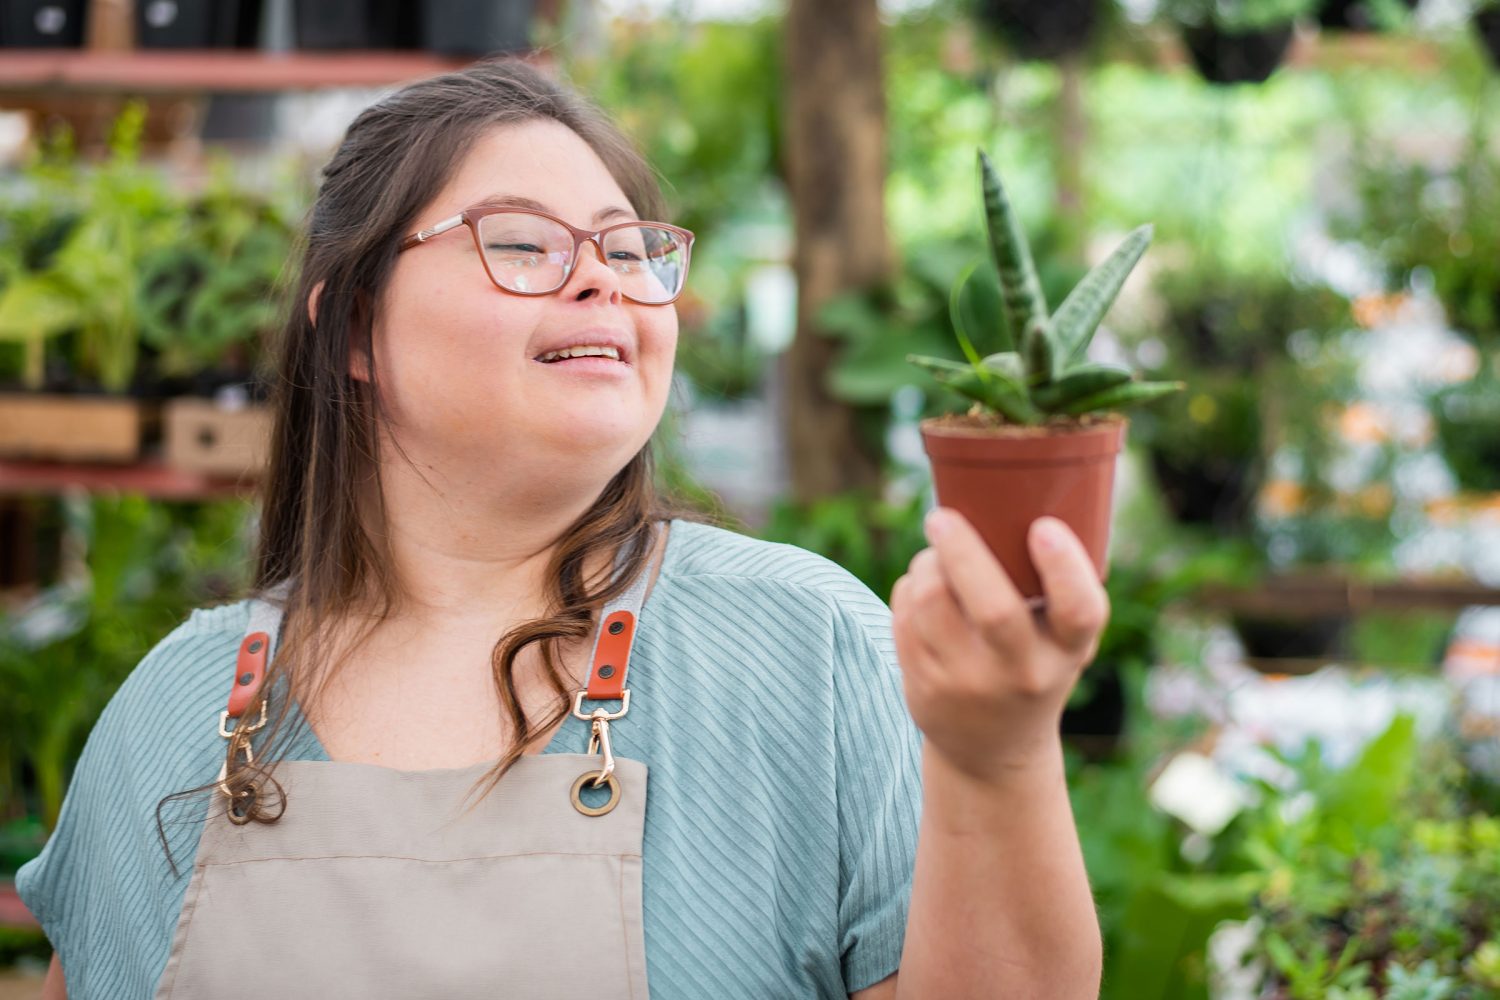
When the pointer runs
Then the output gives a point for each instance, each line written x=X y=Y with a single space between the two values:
x=1041 y=29
x=1487 y=25
x=1225 y=57
x=1353 y=15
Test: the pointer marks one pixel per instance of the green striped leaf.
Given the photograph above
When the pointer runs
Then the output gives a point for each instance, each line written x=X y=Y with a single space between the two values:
x=1083 y=310
x=1020 y=289
x=1121 y=396
x=1080 y=382
x=1037 y=351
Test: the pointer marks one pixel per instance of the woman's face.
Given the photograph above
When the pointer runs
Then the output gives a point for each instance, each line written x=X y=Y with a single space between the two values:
x=456 y=356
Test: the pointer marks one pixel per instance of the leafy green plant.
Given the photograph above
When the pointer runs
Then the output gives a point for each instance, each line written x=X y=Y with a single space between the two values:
x=1041 y=373
x=212 y=292
x=63 y=654
x=88 y=287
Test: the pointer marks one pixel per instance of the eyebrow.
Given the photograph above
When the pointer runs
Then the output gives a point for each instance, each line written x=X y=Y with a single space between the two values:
x=522 y=202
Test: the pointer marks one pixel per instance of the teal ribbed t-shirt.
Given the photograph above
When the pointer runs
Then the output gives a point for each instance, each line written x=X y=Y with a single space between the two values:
x=781 y=813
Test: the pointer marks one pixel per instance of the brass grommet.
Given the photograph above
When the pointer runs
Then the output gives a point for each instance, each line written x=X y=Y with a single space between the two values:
x=591 y=776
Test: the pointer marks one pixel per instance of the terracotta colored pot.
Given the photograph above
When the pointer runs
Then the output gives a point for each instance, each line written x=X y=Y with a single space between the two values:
x=1003 y=478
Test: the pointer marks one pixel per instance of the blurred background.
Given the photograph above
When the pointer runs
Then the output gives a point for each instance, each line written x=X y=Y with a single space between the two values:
x=1284 y=762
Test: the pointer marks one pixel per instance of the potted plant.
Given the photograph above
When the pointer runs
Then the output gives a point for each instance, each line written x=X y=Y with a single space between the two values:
x=207 y=301
x=1364 y=15
x=1441 y=226
x=73 y=307
x=1237 y=41
x=1045 y=426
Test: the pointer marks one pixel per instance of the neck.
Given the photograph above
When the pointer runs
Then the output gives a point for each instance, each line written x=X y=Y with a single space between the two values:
x=467 y=556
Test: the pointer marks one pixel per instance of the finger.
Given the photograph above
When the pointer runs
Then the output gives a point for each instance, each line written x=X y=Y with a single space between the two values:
x=911 y=650
x=980 y=584
x=936 y=616
x=1077 y=606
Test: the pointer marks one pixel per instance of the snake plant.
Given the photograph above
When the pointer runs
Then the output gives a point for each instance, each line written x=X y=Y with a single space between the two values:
x=1042 y=374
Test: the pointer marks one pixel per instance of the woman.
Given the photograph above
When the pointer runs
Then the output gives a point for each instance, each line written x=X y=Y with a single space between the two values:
x=445 y=473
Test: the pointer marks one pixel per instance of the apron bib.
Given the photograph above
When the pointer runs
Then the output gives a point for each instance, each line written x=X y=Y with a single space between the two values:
x=384 y=883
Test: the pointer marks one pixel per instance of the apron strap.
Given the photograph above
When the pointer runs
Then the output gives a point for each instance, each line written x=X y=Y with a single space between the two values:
x=606 y=677
x=616 y=634
x=256 y=647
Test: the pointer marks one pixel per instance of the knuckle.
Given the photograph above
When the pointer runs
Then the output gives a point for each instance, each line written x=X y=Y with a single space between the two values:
x=998 y=618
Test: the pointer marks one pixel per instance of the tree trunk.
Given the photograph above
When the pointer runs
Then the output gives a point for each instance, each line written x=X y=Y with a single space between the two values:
x=835 y=167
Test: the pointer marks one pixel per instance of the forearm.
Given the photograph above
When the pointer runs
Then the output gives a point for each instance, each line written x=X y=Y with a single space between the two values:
x=1000 y=905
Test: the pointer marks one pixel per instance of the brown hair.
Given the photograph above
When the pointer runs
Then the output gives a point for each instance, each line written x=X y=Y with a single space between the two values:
x=395 y=157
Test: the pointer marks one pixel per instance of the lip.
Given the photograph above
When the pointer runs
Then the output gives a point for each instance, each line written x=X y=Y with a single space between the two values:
x=595 y=336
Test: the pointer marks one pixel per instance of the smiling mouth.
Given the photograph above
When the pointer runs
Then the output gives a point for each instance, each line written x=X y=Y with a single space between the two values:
x=576 y=353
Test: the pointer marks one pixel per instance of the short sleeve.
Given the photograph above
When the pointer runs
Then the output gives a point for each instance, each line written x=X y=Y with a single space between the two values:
x=878 y=784
x=60 y=885
x=103 y=888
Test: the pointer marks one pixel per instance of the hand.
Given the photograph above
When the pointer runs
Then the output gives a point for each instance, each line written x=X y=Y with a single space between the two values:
x=987 y=678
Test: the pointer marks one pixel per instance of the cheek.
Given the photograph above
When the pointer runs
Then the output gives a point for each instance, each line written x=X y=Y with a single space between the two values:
x=441 y=340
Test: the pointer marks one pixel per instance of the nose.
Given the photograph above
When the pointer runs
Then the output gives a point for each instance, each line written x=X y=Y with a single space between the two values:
x=591 y=273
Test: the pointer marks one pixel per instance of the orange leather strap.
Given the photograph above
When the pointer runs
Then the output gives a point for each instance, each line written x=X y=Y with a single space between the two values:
x=249 y=671
x=612 y=656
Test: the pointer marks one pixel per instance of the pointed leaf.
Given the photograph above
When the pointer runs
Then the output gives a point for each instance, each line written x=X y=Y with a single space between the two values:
x=1037 y=352
x=1021 y=290
x=1006 y=363
x=1084 y=308
x=939 y=366
x=993 y=388
x=1121 y=396
x=1085 y=380
x=955 y=313
x=36 y=307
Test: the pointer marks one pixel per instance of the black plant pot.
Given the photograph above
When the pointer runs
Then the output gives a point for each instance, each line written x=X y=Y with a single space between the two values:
x=476 y=27
x=42 y=24
x=1041 y=29
x=178 y=24
x=348 y=24
x=1211 y=491
x=1237 y=56
x=1351 y=15
x=1468 y=433
x=1096 y=725
x=1487 y=24
x=1286 y=638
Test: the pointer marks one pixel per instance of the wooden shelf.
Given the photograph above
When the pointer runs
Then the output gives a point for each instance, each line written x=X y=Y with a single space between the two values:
x=152 y=479
x=191 y=71
x=1310 y=597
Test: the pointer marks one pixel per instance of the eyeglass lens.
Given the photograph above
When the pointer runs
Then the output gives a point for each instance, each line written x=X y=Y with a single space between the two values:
x=527 y=253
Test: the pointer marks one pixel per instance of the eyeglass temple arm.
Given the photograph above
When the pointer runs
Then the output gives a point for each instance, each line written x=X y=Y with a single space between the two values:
x=426 y=234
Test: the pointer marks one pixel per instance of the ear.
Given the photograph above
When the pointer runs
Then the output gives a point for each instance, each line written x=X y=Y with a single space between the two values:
x=359 y=362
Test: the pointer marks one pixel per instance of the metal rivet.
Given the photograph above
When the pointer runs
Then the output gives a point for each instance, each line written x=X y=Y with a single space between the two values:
x=615 y=628
x=246 y=677
x=606 y=671
x=255 y=646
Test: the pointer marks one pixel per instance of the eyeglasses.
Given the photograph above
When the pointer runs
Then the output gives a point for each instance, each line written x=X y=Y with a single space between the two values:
x=532 y=253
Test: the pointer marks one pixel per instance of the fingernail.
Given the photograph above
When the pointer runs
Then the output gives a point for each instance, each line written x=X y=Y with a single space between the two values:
x=1048 y=533
x=936 y=524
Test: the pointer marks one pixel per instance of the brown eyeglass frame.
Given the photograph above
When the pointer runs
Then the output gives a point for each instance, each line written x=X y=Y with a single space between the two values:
x=470 y=217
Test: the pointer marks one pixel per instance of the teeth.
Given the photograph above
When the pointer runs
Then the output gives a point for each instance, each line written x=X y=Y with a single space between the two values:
x=581 y=352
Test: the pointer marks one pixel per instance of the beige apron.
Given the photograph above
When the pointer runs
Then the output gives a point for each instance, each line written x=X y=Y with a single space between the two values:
x=376 y=882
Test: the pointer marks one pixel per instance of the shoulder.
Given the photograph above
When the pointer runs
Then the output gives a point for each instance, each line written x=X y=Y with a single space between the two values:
x=171 y=697
x=767 y=575
x=196 y=656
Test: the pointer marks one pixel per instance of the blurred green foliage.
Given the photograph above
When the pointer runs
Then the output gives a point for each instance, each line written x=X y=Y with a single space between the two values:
x=104 y=267
x=139 y=564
